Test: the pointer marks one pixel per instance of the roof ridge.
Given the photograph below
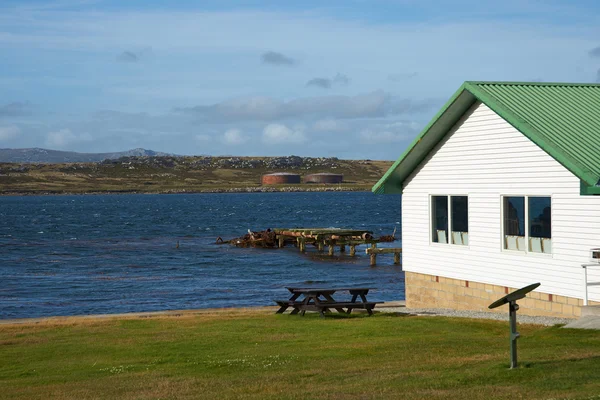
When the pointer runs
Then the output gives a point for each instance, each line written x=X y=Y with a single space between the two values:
x=525 y=83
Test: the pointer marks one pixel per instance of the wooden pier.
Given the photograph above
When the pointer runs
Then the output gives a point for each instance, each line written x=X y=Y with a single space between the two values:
x=373 y=251
x=321 y=238
x=325 y=237
x=335 y=237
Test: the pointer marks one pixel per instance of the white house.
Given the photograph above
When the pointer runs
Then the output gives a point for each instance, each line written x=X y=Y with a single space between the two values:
x=498 y=192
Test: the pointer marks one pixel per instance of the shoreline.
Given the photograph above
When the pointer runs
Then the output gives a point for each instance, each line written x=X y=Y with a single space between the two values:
x=251 y=189
x=394 y=306
x=69 y=319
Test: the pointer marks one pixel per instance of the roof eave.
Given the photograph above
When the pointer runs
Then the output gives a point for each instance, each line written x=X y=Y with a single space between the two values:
x=391 y=182
x=588 y=190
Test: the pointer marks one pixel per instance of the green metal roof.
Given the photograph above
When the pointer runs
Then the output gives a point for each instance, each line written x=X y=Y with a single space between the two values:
x=561 y=118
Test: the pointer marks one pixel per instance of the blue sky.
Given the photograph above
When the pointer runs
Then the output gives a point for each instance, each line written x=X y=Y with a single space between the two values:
x=352 y=78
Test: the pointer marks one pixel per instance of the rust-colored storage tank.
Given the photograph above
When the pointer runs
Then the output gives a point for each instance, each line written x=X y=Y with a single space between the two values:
x=324 y=177
x=280 y=178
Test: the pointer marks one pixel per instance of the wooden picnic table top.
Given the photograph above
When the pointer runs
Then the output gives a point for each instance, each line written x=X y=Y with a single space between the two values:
x=326 y=290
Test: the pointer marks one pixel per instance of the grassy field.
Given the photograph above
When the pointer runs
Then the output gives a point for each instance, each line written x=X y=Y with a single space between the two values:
x=182 y=174
x=256 y=354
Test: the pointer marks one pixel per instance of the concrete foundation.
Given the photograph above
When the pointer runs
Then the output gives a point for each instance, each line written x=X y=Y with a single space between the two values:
x=424 y=291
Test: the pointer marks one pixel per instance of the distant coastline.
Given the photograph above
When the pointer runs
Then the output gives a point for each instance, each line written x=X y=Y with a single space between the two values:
x=255 y=189
x=169 y=174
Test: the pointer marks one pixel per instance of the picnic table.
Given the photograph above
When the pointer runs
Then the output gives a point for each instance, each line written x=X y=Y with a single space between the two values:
x=304 y=299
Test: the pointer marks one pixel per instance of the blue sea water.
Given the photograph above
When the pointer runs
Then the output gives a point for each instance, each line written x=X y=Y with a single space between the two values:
x=77 y=255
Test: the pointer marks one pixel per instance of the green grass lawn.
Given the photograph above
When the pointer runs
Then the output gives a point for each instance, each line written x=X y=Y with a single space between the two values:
x=256 y=354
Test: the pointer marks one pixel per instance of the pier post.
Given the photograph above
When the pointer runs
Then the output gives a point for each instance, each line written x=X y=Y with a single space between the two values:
x=331 y=250
x=320 y=245
x=302 y=244
x=342 y=248
x=373 y=255
x=396 y=258
x=281 y=241
x=352 y=250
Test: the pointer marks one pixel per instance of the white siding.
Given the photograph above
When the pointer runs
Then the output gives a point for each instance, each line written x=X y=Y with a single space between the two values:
x=484 y=157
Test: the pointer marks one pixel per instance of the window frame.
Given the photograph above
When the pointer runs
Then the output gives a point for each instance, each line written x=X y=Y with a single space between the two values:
x=526 y=227
x=449 y=240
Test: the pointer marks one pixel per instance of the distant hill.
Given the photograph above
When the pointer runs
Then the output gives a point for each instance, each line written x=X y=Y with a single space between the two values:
x=37 y=155
x=183 y=174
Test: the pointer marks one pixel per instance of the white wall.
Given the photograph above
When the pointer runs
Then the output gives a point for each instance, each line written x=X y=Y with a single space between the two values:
x=484 y=157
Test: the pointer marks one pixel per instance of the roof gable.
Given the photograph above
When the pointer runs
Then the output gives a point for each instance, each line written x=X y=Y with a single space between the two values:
x=561 y=118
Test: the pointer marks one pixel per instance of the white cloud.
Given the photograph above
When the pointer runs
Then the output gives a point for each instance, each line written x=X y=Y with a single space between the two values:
x=279 y=134
x=373 y=136
x=329 y=125
x=394 y=132
x=63 y=138
x=374 y=104
x=234 y=137
x=9 y=132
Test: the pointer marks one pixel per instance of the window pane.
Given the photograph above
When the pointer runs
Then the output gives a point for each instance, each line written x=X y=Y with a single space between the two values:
x=439 y=218
x=539 y=217
x=459 y=205
x=514 y=223
x=540 y=224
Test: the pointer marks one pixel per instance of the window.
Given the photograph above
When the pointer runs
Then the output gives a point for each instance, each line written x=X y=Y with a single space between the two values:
x=460 y=219
x=450 y=212
x=527 y=224
x=439 y=218
x=540 y=222
x=514 y=223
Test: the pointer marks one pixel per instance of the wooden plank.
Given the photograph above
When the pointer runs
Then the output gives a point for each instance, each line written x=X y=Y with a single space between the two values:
x=383 y=250
x=350 y=304
x=314 y=292
x=310 y=307
x=355 y=242
x=325 y=289
x=323 y=231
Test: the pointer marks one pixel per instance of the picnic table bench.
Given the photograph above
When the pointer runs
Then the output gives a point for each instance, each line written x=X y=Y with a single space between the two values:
x=321 y=300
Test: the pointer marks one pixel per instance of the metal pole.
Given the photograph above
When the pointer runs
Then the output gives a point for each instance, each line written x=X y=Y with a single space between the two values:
x=585 y=285
x=514 y=335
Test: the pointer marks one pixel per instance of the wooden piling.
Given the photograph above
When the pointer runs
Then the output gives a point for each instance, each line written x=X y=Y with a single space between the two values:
x=330 y=250
x=396 y=258
x=373 y=255
x=302 y=244
x=352 y=250
x=281 y=241
x=320 y=245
